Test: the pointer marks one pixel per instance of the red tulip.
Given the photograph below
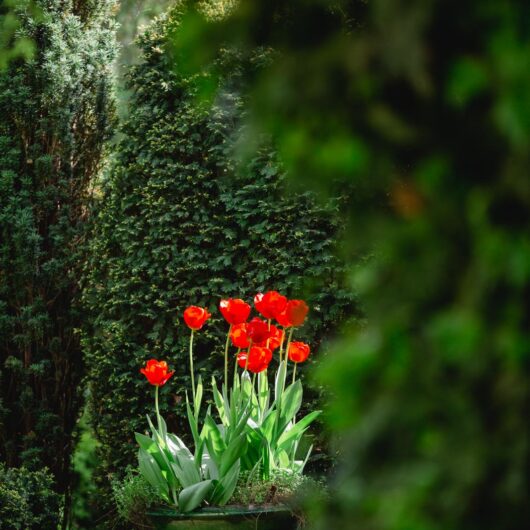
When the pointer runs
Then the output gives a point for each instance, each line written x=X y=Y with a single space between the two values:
x=235 y=310
x=259 y=359
x=297 y=311
x=156 y=372
x=274 y=340
x=257 y=330
x=293 y=315
x=195 y=317
x=238 y=336
x=298 y=352
x=283 y=319
x=270 y=303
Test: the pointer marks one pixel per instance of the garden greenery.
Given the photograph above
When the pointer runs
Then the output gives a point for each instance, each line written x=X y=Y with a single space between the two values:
x=28 y=500
x=179 y=221
x=55 y=116
x=252 y=428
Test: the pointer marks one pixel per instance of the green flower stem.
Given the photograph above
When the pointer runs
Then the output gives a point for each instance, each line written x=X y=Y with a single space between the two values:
x=294 y=371
x=191 y=369
x=281 y=344
x=248 y=355
x=157 y=409
x=226 y=355
x=235 y=368
x=289 y=343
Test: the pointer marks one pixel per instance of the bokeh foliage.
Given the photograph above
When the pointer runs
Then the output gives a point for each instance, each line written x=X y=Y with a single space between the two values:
x=55 y=112
x=423 y=108
x=14 y=43
x=178 y=224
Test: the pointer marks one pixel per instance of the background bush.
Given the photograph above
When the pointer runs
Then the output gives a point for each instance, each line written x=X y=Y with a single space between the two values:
x=179 y=223
x=27 y=499
x=55 y=113
x=424 y=108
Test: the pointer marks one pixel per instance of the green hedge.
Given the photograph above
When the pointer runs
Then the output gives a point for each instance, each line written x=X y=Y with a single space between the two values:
x=28 y=500
x=181 y=223
x=55 y=113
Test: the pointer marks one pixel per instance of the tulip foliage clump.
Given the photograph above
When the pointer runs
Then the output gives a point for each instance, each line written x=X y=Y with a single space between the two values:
x=254 y=425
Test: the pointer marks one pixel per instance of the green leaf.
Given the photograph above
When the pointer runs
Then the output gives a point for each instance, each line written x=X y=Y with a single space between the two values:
x=146 y=443
x=198 y=398
x=296 y=431
x=267 y=427
x=152 y=472
x=213 y=439
x=224 y=489
x=263 y=395
x=235 y=450
x=209 y=467
x=158 y=434
x=279 y=383
x=193 y=423
x=184 y=465
x=290 y=403
x=219 y=403
x=192 y=496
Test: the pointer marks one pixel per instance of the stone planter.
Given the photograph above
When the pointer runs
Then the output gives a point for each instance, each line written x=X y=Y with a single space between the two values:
x=266 y=517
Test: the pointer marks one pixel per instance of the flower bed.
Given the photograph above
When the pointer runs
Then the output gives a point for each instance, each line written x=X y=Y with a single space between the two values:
x=254 y=426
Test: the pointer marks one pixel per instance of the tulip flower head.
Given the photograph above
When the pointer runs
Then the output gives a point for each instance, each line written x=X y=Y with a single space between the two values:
x=293 y=314
x=195 y=317
x=156 y=372
x=298 y=352
x=238 y=336
x=258 y=359
x=274 y=339
x=234 y=310
x=258 y=330
x=270 y=303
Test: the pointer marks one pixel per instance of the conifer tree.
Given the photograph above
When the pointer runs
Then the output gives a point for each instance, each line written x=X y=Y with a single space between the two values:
x=56 y=113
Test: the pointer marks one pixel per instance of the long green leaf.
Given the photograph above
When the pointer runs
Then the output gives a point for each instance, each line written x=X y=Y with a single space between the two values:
x=152 y=473
x=290 y=403
x=192 y=496
x=234 y=451
x=263 y=394
x=279 y=383
x=296 y=430
x=146 y=443
x=213 y=439
x=193 y=423
x=219 y=403
x=198 y=398
x=209 y=467
x=225 y=486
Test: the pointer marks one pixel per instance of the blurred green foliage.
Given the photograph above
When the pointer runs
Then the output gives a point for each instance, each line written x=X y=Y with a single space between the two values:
x=28 y=500
x=423 y=109
x=55 y=116
x=84 y=462
x=178 y=224
x=14 y=42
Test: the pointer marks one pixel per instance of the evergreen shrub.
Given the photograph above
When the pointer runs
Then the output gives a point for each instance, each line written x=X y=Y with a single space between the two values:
x=180 y=223
x=55 y=116
x=27 y=499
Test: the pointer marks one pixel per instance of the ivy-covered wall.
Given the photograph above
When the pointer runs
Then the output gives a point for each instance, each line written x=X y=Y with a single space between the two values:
x=181 y=223
x=55 y=116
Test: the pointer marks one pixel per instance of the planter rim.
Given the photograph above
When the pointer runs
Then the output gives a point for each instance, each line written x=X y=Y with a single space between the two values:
x=217 y=512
